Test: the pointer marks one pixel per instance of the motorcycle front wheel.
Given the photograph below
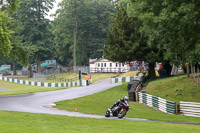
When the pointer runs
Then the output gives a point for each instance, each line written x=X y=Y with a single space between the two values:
x=122 y=114
x=107 y=114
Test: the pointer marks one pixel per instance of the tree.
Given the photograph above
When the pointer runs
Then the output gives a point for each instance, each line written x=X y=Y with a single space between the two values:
x=171 y=26
x=92 y=23
x=19 y=51
x=36 y=32
x=6 y=6
x=126 y=43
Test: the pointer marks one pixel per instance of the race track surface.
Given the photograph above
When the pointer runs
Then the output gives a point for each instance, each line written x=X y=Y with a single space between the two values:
x=42 y=102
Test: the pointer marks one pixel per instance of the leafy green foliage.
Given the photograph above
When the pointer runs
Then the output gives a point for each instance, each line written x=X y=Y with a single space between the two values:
x=171 y=26
x=5 y=45
x=126 y=43
x=92 y=24
x=5 y=7
x=35 y=28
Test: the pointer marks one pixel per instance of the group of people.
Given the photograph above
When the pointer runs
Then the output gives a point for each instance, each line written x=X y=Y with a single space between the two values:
x=136 y=65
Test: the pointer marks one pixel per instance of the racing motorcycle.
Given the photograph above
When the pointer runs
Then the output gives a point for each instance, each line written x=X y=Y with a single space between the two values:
x=119 y=110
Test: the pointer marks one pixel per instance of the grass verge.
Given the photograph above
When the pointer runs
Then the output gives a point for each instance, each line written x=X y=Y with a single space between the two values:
x=23 y=89
x=74 y=77
x=16 y=122
x=99 y=102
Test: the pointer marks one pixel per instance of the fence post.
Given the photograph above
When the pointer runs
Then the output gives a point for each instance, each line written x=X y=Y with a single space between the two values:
x=136 y=96
x=177 y=108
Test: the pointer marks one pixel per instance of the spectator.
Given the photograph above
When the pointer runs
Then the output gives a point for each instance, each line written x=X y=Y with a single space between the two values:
x=87 y=79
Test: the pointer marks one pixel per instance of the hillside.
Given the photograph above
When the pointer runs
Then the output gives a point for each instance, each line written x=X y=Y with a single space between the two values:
x=179 y=88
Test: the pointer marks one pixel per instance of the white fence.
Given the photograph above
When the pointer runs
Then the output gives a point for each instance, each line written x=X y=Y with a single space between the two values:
x=125 y=79
x=190 y=108
x=44 y=84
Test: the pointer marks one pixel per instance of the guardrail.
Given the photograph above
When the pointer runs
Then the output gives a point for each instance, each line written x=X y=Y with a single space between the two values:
x=161 y=104
x=108 y=70
x=44 y=84
x=190 y=108
x=125 y=79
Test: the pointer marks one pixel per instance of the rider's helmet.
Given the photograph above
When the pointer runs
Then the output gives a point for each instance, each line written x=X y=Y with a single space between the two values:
x=126 y=98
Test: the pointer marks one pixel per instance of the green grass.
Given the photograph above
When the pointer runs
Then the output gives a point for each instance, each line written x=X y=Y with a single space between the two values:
x=128 y=74
x=99 y=102
x=23 y=89
x=95 y=77
x=176 y=89
x=99 y=76
x=16 y=122
x=67 y=76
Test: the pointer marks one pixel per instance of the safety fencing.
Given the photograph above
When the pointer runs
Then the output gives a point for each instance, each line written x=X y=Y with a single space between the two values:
x=125 y=79
x=190 y=108
x=44 y=84
x=161 y=104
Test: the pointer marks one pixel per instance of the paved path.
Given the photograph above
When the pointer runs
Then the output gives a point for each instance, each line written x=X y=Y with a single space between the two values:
x=34 y=102
x=42 y=102
x=2 y=89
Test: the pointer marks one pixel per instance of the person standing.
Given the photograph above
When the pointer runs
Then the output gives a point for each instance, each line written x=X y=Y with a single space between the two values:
x=87 y=79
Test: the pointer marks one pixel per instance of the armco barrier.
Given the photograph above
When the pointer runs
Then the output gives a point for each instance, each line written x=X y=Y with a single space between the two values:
x=190 y=108
x=125 y=79
x=44 y=84
x=158 y=103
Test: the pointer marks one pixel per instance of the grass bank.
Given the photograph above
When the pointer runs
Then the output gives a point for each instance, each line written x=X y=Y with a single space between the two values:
x=16 y=122
x=99 y=102
x=179 y=88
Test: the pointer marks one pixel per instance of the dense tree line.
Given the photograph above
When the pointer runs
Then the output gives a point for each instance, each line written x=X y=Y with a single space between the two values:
x=167 y=32
x=152 y=31
x=77 y=33
x=81 y=27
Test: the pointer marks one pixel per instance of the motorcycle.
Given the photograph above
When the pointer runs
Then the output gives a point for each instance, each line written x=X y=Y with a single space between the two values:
x=119 y=110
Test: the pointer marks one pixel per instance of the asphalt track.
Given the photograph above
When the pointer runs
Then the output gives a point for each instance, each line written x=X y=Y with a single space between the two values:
x=42 y=102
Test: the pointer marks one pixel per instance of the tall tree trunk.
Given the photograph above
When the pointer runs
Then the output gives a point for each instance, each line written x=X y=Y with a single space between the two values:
x=194 y=67
x=30 y=68
x=198 y=73
x=14 y=67
x=38 y=64
x=75 y=36
x=191 y=67
x=151 y=71
x=188 y=71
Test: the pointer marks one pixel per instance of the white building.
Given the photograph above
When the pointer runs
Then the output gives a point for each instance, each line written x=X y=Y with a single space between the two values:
x=105 y=66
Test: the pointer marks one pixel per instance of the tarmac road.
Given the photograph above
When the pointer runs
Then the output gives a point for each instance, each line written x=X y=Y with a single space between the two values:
x=34 y=102
x=42 y=102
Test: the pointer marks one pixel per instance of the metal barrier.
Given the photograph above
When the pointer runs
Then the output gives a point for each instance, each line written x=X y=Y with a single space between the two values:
x=44 y=84
x=161 y=104
x=125 y=79
x=190 y=108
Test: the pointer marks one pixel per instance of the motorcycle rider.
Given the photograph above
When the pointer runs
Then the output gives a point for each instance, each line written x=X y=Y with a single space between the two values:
x=123 y=100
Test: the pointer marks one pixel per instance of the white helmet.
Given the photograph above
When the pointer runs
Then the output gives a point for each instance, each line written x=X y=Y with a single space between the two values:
x=126 y=98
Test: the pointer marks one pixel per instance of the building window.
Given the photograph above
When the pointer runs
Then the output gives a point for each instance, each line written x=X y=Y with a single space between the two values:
x=122 y=64
x=98 y=64
x=119 y=64
x=101 y=64
x=104 y=64
x=116 y=64
x=110 y=64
